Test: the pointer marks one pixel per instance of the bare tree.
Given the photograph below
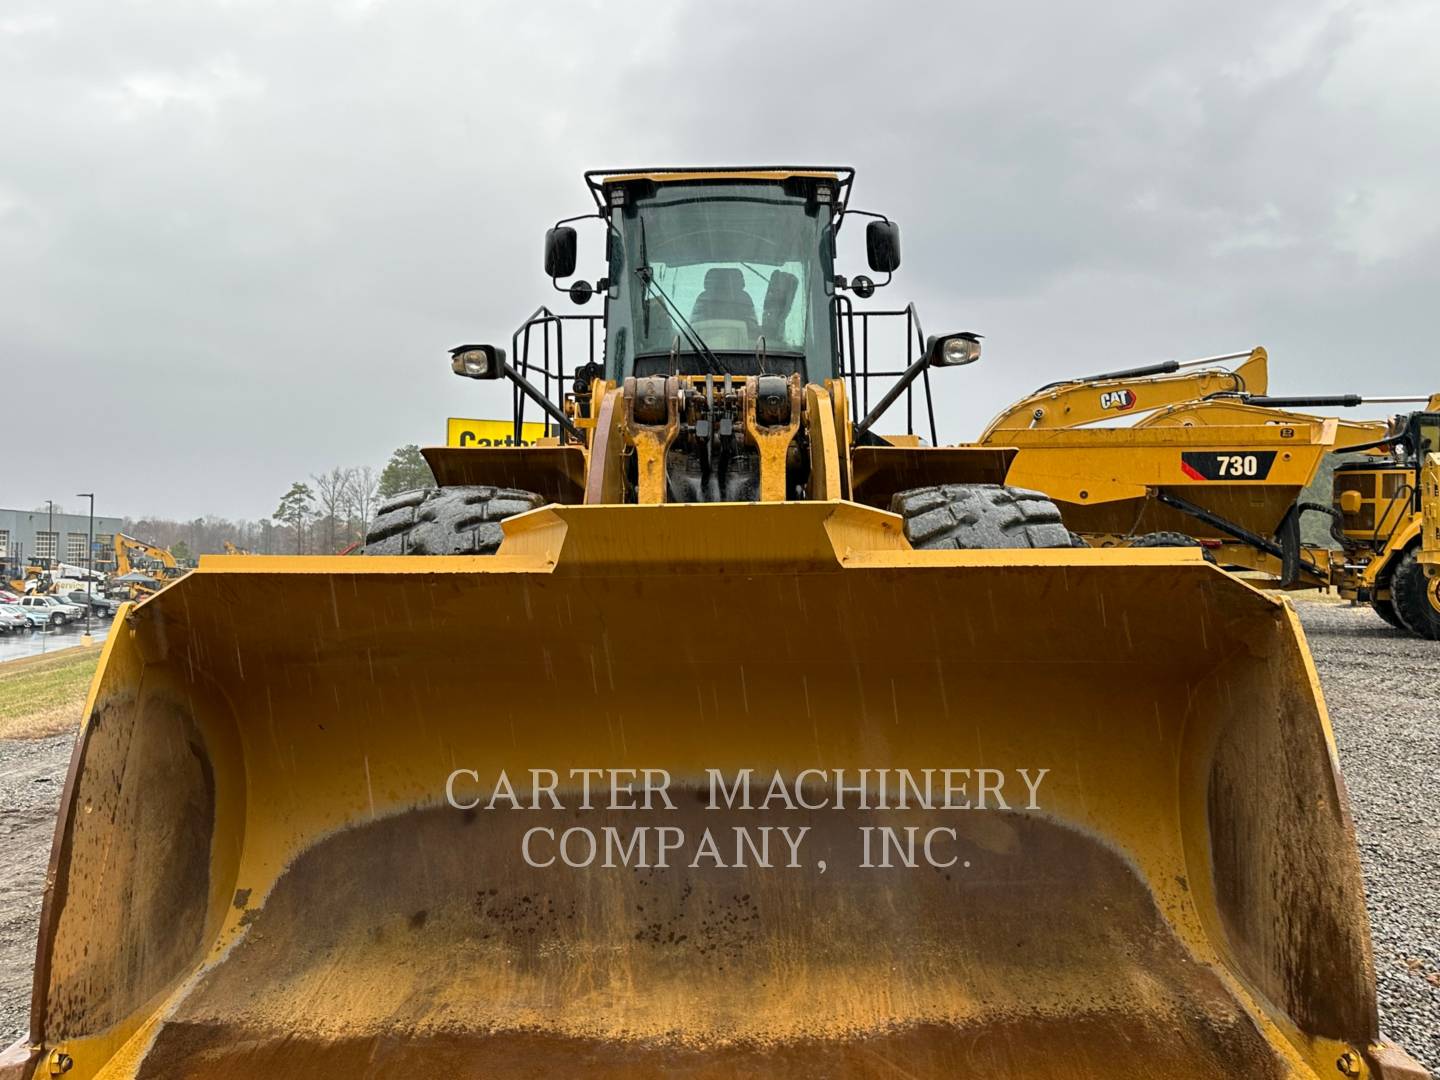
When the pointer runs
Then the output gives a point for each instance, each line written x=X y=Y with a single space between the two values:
x=332 y=512
x=364 y=498
x=332 y=496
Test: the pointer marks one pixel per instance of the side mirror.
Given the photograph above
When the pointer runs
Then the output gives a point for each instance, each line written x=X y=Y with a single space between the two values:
x=1351 y=502
x=882 y=246
x=559 y=251
x=953 y=350
x=478 y=361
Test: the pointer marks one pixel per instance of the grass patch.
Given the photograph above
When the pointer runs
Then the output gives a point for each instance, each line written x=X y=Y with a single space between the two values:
x=44 y=695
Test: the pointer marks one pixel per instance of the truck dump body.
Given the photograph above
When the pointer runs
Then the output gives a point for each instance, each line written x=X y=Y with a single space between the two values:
x=1104 y=479
x=257 y=872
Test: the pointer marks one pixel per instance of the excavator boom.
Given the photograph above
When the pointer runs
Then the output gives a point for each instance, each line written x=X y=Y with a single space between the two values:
x=1126 y=395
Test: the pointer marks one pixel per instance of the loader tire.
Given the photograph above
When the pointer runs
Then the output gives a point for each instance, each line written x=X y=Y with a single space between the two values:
x=969 y=517
x=1416 y=597
x=446 y=521
x=1386 y=610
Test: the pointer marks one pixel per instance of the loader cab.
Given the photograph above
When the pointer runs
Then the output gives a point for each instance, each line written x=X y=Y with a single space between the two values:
x=1424 y=437
x=720 y=273
x=1377 y=497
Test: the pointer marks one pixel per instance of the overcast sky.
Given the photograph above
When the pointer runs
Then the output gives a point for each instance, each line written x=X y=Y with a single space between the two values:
x=236 y=238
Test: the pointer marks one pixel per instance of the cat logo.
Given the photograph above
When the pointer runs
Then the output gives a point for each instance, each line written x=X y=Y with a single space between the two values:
x=1119 y=400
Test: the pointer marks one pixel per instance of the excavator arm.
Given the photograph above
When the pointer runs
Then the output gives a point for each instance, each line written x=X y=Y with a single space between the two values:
x=126 y=546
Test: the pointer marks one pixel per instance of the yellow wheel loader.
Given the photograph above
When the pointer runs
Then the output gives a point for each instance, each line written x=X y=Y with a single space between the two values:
x=36 y=576
x=689 y=741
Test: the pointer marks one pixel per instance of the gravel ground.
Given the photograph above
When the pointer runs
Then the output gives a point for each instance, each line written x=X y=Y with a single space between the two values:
x=1384 y=699
x=1383 y=690
x=32 y=773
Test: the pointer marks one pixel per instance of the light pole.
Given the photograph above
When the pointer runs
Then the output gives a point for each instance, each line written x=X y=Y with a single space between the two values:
x=54 y=540
x=89 y=564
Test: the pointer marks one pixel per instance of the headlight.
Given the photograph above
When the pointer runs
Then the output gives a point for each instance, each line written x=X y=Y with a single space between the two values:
x=961 y=351
x=954 y=350
x=475 y=364
x=477 y=361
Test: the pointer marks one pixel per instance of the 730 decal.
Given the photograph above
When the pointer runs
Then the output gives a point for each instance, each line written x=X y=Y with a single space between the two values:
x=1220 y=465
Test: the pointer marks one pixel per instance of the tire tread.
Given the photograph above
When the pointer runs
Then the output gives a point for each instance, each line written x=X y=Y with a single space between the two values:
x=446 y=521
x=970 y=517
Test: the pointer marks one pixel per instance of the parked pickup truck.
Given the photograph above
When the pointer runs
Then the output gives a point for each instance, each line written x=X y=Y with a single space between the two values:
x=98 y=602
x=59 y=613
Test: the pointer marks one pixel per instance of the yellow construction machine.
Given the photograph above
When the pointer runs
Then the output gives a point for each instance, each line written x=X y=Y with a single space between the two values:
x=294 y=847
x=36 y=576
x=1430 y=516
x=1230 y=489
x=143 y=568
x=1192 y=393
x=1130 y=393
x=1386 y=505
x=1209 y=461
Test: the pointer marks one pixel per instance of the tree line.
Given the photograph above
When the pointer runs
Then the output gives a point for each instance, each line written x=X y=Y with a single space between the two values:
x=323 y=514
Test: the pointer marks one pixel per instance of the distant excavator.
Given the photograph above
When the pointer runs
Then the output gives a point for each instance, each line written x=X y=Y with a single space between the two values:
x=144 y=569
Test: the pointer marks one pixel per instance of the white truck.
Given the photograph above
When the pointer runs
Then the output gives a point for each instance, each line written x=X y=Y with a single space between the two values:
x=60 y=613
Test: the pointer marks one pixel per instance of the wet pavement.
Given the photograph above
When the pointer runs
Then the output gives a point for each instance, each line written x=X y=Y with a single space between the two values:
x=18 y=643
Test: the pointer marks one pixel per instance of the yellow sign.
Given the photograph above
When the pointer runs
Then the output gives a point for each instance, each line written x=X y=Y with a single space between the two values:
x=462 y=432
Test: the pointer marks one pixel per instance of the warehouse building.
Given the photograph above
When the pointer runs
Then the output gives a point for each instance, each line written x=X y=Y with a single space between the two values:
x=38 y=534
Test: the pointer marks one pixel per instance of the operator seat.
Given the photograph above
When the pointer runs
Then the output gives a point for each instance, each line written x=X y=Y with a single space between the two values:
x=724 y=298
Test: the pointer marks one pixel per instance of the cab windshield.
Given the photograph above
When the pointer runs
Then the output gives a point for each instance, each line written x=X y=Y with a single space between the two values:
x=1427 y=435
x=722 y=277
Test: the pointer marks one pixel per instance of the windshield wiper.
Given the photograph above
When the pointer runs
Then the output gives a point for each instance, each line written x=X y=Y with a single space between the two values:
x=697 y=343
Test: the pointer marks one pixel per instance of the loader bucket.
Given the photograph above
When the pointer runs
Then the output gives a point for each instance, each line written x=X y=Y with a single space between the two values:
x=258 y=871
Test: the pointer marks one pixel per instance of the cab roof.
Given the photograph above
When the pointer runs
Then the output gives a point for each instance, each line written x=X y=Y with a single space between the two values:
x=598 y=180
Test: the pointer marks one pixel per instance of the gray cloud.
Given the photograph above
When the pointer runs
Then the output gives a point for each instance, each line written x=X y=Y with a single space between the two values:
x=245 y=232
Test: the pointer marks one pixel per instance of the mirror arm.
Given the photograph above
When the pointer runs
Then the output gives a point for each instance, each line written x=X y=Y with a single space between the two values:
x=848 y=284
x=867 y=213
x=869 y=290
